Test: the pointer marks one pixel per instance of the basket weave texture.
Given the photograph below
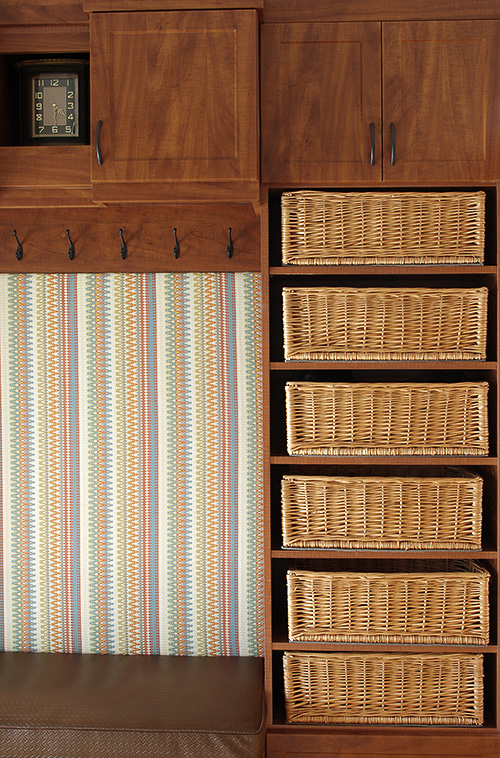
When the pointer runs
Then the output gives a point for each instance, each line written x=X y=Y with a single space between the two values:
x=386 y=418
x=333 y=323
x=400 y=601
x=382 y=227
x=387 y=512
x=386 y=688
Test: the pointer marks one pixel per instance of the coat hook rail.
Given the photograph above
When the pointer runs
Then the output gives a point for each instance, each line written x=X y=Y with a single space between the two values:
x=71 y=251
x=123 y=251
x=230 y=248
x=19 y=251
x=177 y=250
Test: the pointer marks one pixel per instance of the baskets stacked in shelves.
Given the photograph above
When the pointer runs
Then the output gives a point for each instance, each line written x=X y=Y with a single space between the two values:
x=382 y=227
x=387 y=601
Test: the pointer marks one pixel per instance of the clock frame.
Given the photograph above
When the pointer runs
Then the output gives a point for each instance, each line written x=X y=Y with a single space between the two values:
x=53 y=101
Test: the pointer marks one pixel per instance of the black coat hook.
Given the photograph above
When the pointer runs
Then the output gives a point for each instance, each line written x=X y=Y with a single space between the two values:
x=71 y=251
x=123 y=251
x=230 y=248
x=177 y=250
x=19 y=251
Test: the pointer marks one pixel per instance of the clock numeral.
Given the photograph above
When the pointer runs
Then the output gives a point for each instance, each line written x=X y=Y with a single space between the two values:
x=38 y=117
x=54 y=82
x=55 y=130
x=70 y=116
x=69 y=129
x=71 y=105
x=38 y=106
x=38 y=95
x=40 y=129
x=70 y=94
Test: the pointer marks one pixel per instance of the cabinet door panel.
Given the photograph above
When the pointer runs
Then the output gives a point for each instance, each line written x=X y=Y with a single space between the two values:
x=176 y=94
x=441 y=91
x=320 y=92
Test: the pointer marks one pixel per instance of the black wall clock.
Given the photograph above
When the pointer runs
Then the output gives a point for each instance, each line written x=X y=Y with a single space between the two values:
x=53 y=101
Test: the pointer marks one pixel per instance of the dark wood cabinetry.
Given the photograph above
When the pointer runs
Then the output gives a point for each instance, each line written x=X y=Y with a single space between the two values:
x=432 y=118
x=176 y=97
x=174 y=102
x=322 y=120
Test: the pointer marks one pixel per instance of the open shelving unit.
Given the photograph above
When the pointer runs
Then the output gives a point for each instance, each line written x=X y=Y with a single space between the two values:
x=320 y=738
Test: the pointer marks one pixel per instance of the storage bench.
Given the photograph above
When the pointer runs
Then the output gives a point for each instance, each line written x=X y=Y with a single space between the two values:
x=55 y=705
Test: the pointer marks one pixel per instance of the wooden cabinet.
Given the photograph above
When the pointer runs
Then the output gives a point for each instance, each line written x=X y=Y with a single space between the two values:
x=174 y=104
x=442 y=93
x=432 y=118
x=322 y=120
x=176 y=96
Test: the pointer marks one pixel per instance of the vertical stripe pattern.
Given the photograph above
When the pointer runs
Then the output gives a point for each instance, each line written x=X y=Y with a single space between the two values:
x=130 y=463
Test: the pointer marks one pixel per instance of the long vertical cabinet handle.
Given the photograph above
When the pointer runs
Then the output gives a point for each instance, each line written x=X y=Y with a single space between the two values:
x=98 y=143
x=372 y=140
x=393 y=144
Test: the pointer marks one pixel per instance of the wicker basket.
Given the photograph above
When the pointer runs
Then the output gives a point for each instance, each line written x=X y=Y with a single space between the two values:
x=401 y=601
x=386 y=419
x=382 y=227
x=391 y=688
x=440 y=511
x=333 y=323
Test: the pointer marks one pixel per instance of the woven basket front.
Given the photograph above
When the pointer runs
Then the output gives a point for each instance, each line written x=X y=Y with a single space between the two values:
x=402 y=601
x=386 y=418
x=374 y=323
x=443 y=511
x=382 y=227
x=391 y=688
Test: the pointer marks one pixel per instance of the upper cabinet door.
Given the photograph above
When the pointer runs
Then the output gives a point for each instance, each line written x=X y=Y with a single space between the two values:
x=441 y=96
x=320 y=102
x=174 y=97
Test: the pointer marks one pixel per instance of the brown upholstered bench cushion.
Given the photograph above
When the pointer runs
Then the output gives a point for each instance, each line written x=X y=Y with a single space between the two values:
x=109 y=706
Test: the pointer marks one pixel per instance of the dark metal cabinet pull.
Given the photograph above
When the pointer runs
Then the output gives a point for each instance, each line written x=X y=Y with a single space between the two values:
x=123 y=251
x=177 y=250
x=393 y=144
x=372 y=139
x=19 y=251
x=98 y=143
x=71 y=251
x=230 y=248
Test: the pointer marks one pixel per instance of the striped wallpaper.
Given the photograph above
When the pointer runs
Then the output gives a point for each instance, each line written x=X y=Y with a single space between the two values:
x=130 y=463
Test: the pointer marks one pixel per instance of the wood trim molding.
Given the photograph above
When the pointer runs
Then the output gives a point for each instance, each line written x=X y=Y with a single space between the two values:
x=377 y=10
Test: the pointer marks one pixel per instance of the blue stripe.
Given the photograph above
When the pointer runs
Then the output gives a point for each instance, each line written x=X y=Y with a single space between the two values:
x=232 y=380
x=75 y=459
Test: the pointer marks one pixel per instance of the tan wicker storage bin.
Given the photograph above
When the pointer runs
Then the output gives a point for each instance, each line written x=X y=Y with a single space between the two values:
x=391 y=688
x=443 y=511
x=374 y=323
x=382 y=227
x=386 y=419
x=402 y=601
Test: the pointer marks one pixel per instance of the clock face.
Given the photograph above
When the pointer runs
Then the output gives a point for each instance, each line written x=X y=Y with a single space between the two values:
x=54 y=105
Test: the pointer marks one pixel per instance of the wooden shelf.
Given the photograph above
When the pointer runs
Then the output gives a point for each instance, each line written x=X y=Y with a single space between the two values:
x=382 y=365
x=383 y=460
x=325 y=553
